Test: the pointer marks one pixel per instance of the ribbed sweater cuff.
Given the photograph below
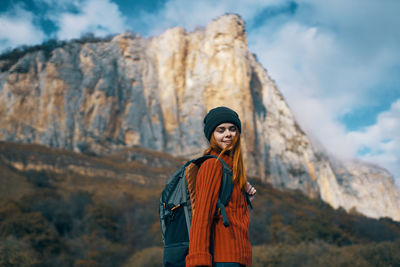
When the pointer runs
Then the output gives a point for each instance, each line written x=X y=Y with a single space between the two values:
x=198 y=259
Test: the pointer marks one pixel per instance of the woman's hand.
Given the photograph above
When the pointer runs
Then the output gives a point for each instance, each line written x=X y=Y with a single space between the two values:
x=251 y=191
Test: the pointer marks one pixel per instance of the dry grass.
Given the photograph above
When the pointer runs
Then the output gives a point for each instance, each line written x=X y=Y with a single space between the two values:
x=12 y=184
x=118 y=166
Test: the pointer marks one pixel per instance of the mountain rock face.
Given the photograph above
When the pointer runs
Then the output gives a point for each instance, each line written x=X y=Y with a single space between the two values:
x=131 y=91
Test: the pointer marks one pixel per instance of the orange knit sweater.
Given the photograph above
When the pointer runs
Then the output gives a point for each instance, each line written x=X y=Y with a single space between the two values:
x=231 y=244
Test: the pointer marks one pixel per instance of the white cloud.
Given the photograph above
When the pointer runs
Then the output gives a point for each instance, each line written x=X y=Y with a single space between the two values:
x=191 y=14
x=367 y=25
x=59 y=4
x=17 y=28
x=301 y=60
x=325 y=72
x=100 y=17
x=382 y=139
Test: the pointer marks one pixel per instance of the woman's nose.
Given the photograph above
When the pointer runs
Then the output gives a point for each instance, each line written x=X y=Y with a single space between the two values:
x=228 y=133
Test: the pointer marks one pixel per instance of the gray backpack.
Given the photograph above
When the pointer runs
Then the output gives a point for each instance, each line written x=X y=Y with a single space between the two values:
x=177 y=203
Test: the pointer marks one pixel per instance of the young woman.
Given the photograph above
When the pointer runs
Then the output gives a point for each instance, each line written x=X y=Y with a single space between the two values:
x=211 y=243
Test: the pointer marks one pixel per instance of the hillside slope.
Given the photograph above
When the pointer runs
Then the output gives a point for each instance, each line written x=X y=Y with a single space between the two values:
x=80 y=217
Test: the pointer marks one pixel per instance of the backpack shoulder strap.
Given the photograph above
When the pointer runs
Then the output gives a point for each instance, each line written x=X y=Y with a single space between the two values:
x=201 y=159
x=226 y=186
x=225 y=194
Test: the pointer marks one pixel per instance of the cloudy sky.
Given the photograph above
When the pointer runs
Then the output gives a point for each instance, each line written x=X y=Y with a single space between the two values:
x=336 y=62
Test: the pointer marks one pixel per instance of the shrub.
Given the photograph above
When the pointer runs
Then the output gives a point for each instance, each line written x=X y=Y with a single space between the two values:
x=382 y=254
x=149 y=257
x=38 y=179
x=14 y=252
x=319 y=253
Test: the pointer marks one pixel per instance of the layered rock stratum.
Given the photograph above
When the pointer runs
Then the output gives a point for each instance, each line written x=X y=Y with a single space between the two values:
x=154 y=92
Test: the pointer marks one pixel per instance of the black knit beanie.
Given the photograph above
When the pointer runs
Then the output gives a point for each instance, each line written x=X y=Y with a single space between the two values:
x=217 y=116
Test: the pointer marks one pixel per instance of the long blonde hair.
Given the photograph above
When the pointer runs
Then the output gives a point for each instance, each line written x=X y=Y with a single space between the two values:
x=234 y=151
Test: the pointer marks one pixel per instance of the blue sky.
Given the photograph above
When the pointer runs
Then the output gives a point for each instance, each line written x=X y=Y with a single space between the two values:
x=336 y=62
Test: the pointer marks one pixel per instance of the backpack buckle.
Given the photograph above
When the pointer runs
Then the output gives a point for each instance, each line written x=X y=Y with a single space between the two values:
x=177 y=206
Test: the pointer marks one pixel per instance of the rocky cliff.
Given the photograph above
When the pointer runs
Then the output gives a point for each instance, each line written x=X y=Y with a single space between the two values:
x=100 y=97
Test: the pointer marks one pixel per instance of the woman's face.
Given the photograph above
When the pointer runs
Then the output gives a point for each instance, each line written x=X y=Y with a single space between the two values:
x=224 y=134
